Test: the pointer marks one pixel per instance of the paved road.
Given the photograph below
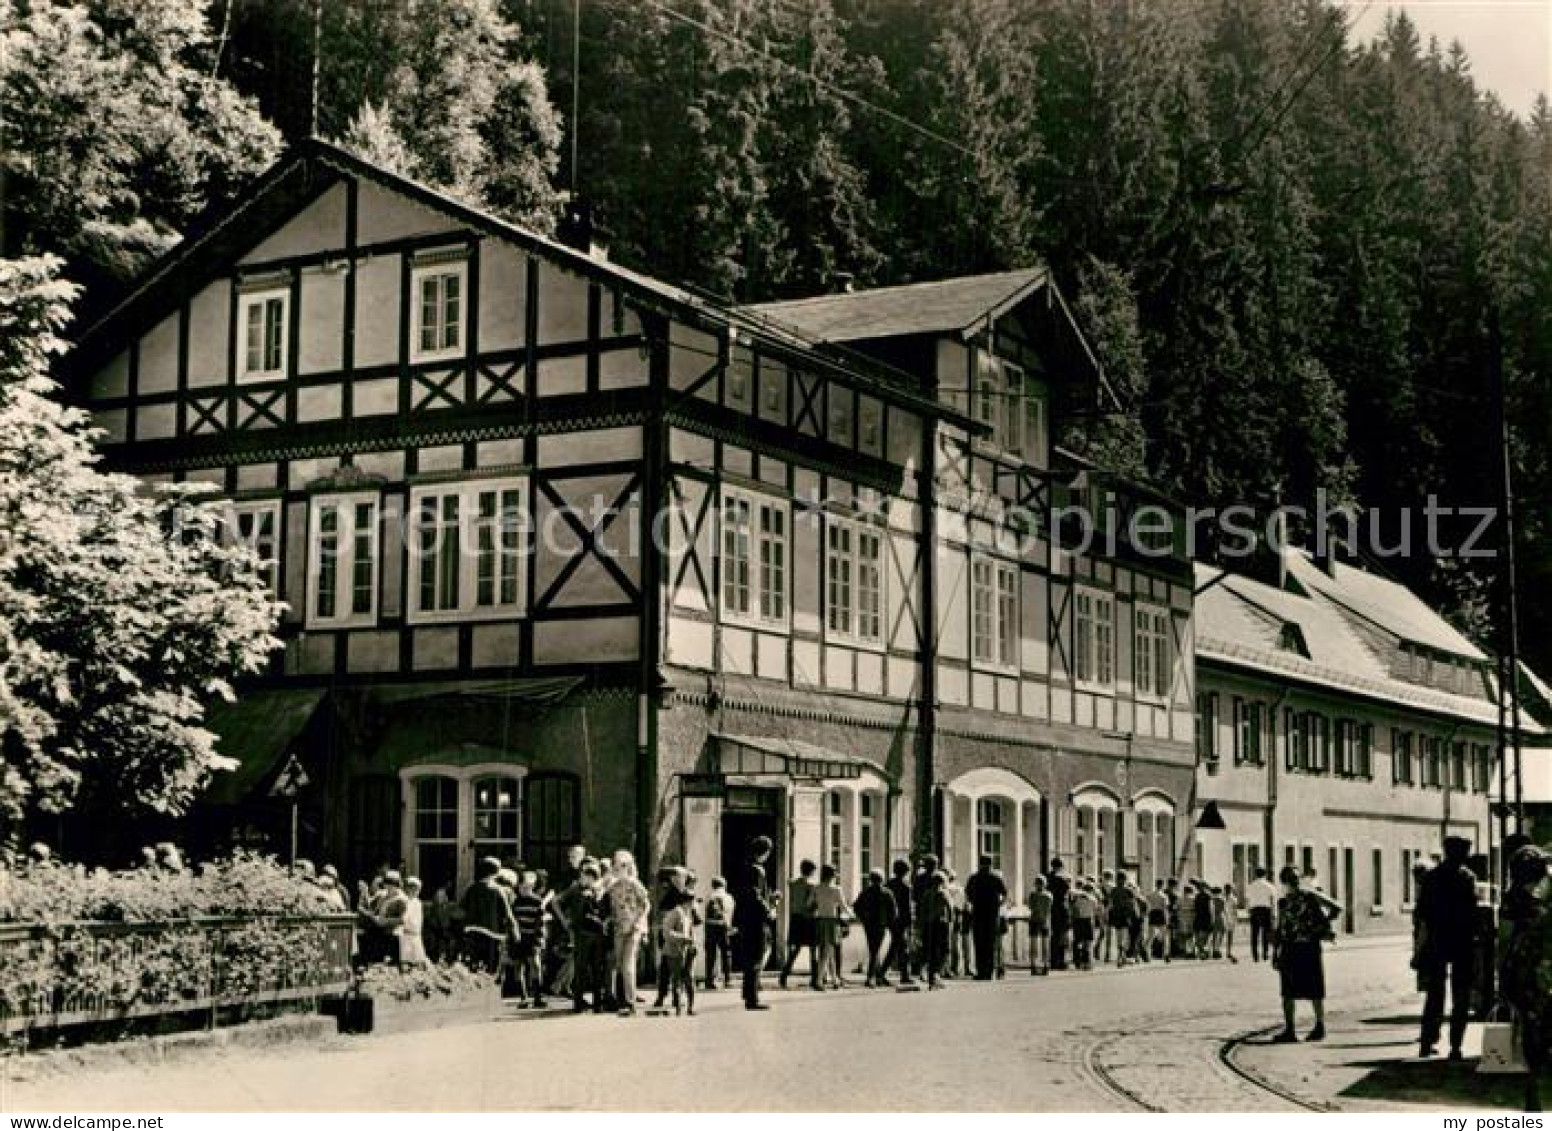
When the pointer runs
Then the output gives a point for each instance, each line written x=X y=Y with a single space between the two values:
x=1108 y=1040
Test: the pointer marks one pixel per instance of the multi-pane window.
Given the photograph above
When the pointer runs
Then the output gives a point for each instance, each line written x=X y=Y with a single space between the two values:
x=1296 y=732
x=838 y=578
x=867 y=833
x=496 y=813
x=262 y=316
x=1401 y=766
x=1365 y=762
x=1094 y=638
x=1250 y=737
x=835 y=828
x=754 y=558
x=999 y=400
x=256 y=525
x=854 y=581
x=1150 y=651
x=1320 y=745
x=989 y=827
x=737 y=538
x=439 y=311
x=1458 y=765
x=342 y=565
x=983 y=620
x=1481 y=767
x=466 y=548
x=436 y=529
x=1007 y=616
x=1433 y=761
x=994 y=625
x=1207 y=727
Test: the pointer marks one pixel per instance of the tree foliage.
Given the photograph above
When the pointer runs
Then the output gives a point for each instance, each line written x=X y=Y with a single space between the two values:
x=114 y=134
x=122 y=609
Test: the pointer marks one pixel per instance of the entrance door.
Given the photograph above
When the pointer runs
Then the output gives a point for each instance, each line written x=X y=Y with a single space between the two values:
x=743 y=819
x=739 y=828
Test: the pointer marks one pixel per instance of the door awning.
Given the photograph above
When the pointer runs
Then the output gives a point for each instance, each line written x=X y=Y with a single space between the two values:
x=257 y=730
x=759 y=754
x=539 y=692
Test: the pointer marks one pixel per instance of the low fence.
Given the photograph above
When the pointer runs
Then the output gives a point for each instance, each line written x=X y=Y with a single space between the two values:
x=58 y=975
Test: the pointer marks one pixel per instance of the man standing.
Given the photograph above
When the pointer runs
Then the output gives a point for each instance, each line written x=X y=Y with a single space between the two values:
x=1121 y=918
x=1056 y=883
x=900 y=926
x=1261 y=898
x=1447 y=911
x=875 y=910
x=488 y=925
x=800 y=923
x=753 y=912
x=986 y=893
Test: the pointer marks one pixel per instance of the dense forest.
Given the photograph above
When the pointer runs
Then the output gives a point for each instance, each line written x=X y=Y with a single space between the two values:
x=1300 y=257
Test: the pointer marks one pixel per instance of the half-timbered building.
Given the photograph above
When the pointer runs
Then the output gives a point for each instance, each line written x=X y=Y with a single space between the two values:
x=570 y=554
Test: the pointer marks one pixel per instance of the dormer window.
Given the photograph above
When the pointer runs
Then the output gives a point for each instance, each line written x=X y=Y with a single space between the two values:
x=1291 y=639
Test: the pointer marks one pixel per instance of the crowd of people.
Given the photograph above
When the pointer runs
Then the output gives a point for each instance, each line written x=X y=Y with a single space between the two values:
x=587 y=933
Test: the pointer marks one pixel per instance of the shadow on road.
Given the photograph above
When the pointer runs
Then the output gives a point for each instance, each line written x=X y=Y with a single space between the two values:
x=1430 y=1083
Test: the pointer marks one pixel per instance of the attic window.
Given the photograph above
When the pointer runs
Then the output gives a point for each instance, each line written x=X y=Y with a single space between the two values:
x=1292 y=640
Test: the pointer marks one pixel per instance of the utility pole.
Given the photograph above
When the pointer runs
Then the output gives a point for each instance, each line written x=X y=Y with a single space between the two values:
x=1509 y=685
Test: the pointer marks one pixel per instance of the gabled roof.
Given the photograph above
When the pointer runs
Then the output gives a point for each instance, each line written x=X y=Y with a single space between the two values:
x=1386 y=604
x=1240 y=623
x=313 y=165
x=957 y=306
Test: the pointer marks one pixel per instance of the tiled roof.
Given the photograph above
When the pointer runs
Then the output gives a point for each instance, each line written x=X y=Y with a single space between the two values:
x=916 y=308
x=1388 y=604
x=1239 y=622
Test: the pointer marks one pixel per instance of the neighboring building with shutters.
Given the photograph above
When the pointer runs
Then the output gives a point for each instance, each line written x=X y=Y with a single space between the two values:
x=1344 y=726
x=858 y=632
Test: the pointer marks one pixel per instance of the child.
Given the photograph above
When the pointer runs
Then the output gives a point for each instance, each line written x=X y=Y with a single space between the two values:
x=678 y=937
x=527 y=955
x=412 y=944
x=1040 y=928
x=937 y=920
x=1230 y=918
x=1083 y=908
x=719 y=925
x=829 y=911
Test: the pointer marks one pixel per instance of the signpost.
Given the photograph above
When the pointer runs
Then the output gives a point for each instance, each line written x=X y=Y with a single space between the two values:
x=288 y=783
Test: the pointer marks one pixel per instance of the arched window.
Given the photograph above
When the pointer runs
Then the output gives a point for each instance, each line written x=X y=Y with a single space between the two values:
x=496 y=817
x=989 y=825
x=1155 y=815
x=1095 y=818
x=457 y=815
x=435 y=828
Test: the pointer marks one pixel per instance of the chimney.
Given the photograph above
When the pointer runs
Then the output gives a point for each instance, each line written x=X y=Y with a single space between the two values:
x=579 y=229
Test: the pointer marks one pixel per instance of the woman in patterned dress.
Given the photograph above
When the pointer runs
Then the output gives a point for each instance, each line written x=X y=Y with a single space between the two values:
x=1303 y=923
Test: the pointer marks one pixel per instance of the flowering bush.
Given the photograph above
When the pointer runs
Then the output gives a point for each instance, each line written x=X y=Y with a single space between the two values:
x=103 y=943
x=244 y=883
x=414 y=983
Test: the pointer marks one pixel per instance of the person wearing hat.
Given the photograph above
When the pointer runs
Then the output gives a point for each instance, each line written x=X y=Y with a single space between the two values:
x=753 y=912
x=388 y=918
x=334 y=897
x=1057 y=884
x=488 y=924
x=1447 y=916
x=986 y=892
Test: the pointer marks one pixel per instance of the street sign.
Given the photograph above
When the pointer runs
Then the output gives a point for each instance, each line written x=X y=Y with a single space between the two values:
x=291 y=780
